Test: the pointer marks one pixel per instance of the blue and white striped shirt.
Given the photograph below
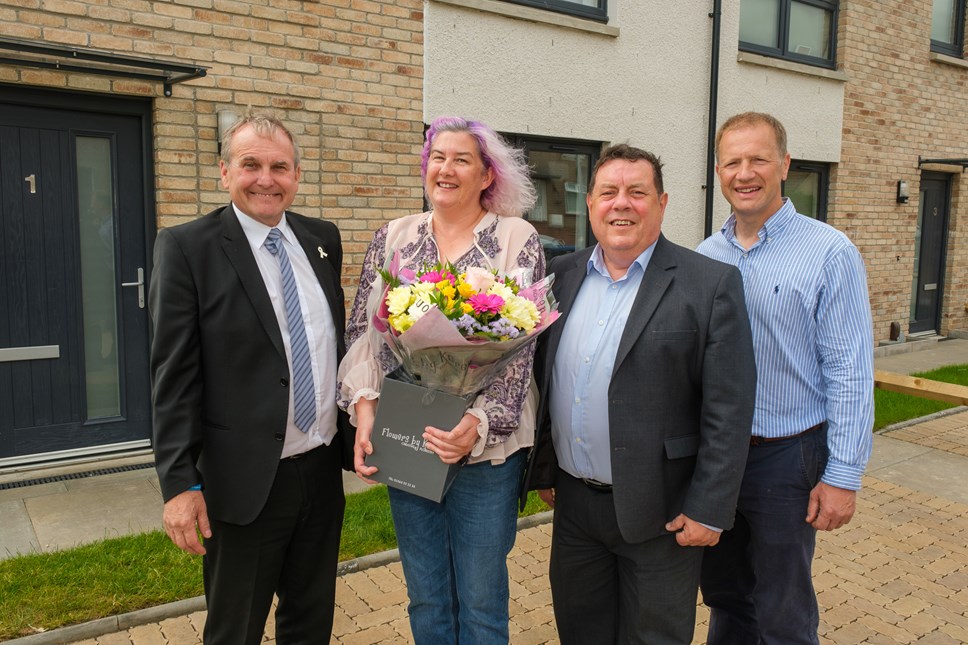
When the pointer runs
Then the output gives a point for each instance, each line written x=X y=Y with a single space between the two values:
x=806 y=293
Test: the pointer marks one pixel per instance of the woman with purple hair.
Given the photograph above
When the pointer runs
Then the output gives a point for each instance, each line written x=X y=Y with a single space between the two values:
x=454 y=552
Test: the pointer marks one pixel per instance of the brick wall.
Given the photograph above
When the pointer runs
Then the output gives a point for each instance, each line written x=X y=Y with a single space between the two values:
x=898 y=104
x=345 y=75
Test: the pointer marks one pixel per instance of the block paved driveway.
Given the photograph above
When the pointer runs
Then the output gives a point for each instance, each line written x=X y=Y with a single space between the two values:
x=898 y=573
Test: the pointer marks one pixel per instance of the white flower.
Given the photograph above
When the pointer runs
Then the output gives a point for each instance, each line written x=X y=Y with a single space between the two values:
x=399 y=299
x=501 y=289
x=520 y=312
x=480 y=279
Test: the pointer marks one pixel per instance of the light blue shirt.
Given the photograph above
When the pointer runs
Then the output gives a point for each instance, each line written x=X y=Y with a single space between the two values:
x=809 y=309
x=583 y=367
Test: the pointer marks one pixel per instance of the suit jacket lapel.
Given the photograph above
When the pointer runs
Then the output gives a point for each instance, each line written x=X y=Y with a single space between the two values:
x=568 y=278
x=658 y=276
x=237 y=248
x=316 y=251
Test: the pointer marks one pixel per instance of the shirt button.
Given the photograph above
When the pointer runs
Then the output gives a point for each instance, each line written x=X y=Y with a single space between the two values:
x=601 y=322
x=284 y=382
x=587 y=359
x=577 y=400
x=278 y=436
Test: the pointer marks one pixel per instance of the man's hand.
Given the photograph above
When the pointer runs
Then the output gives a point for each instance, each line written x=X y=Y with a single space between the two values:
x=830 y=507
x=456 y=444
x=691 y=533
x=185 y=515
x=547 y=496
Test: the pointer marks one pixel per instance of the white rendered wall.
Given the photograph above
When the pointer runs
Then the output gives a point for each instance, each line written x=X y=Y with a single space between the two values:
x=648 y=87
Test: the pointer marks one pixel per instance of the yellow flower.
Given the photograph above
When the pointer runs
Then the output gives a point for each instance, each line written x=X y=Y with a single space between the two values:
x=466 y=308
x=465 y=290
x=520 y=312
x=446 y=288
x=402 y=322
x=399 y=299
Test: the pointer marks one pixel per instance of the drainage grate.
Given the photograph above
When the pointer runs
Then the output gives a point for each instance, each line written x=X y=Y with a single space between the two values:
x=60 y=478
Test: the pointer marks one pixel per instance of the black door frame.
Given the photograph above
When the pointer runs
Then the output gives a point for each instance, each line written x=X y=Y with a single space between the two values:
x=106 y=105
x=933 y=325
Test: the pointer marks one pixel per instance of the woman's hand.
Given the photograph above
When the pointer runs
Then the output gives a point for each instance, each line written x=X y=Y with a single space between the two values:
x=456 y=444
x=365 y=416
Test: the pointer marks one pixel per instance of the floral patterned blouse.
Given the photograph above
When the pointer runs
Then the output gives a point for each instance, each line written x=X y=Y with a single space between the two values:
x=507 y=408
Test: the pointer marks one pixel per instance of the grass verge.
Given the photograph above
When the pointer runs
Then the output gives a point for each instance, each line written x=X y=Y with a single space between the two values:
x=43 y=591
x=893 y=407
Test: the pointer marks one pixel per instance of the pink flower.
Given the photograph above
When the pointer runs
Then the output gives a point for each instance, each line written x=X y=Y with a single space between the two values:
x=480 y=279
x=437 y=276
x=485 y=303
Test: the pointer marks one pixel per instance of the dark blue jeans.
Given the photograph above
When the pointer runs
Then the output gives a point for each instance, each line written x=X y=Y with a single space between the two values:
x=454 y=555
x=758 y=580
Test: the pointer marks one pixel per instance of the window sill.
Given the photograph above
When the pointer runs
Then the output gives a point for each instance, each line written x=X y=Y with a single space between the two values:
x=791 y=66
x=531 y=14
x=945 y=59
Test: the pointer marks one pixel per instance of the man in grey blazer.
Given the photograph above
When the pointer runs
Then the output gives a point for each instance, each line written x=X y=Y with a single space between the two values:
x=647 y=387
x=248 y=330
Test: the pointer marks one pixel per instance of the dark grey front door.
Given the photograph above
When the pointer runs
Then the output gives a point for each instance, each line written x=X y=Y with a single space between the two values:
x=929 y=244
x=73 y=337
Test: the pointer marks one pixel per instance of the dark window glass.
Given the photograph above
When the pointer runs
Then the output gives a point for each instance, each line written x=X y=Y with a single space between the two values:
x=560 y=170
x=948 y=27
x=592 y=9
x=806 y=186
x=800 y=30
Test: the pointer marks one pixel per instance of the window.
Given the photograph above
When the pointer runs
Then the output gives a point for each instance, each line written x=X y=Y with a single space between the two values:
x=593 y=9
x=806 y=186
x=560 y=170
x=801 y=30
x=948 y=27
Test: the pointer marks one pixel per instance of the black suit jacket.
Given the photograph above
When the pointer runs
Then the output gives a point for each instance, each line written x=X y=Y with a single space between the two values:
x=220 y=378
x=680 y=398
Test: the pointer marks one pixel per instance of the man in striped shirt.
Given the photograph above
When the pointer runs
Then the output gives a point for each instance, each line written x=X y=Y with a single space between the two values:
x=806 y=292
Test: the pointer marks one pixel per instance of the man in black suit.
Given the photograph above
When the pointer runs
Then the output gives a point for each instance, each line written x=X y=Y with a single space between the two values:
x=647 y=387
x=248 y=325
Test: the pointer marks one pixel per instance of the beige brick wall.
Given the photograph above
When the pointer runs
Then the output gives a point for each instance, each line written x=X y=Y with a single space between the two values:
x=898 y=104
x=345 y=75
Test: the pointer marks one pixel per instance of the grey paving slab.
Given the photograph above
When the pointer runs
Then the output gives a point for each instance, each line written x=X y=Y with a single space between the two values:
x=923 y=358
x=927 y=470
x=16 y=532
x=94 y=513
x=37 y=490
x=888 y=452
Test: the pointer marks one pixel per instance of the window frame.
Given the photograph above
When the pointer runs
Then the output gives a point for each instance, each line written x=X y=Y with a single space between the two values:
x=956 y=48
x=784 y=35
x=823 y=185
x=536 y=143
x=570 y=8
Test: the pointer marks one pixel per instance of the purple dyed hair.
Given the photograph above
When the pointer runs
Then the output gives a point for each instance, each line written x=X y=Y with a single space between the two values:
x=511 y=193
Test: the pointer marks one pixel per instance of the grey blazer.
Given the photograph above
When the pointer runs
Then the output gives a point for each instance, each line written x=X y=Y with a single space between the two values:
x=681 y=394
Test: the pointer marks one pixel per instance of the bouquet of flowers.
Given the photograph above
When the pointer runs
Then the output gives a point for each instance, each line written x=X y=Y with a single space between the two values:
x=454 y=331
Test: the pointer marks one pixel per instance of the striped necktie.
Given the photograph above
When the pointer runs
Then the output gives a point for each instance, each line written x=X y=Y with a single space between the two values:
x=304 y=392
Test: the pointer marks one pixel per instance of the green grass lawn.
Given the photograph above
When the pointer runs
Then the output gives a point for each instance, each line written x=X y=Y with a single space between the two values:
x=892 y=407
x=49 y=590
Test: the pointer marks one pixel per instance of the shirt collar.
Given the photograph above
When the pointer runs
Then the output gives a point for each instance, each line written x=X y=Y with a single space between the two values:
x=596 y=262
x=257 y=232
x=772 y=227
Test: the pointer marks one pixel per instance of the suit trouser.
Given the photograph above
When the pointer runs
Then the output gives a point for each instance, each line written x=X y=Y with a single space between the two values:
x=291 y=549
x=606 y=590
x=758 y=580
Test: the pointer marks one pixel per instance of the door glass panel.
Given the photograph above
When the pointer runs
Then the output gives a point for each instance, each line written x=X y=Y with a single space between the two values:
x=759 y=22
x=95 y=205
x=915 y=279
x=560 y=215
x=809 y=30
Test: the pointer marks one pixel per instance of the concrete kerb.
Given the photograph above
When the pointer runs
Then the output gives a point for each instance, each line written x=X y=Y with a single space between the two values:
x=121 y=622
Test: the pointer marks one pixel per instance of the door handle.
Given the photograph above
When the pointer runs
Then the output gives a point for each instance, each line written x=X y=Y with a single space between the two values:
x=141 y=287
